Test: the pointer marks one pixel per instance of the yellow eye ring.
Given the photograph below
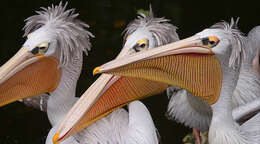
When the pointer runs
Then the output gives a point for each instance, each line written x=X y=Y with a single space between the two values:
x=142 y=41
x=213 y=38
x=210 y=41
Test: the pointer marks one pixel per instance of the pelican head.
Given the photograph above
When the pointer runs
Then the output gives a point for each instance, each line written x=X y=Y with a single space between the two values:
x=207 y=65
x=147 y=32
x=110 y=92
x=55 y=38
x=196 y=63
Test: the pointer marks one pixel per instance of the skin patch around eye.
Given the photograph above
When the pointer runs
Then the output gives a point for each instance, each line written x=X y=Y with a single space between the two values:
x=44 y=44
x=213 y=38
x=141 y=41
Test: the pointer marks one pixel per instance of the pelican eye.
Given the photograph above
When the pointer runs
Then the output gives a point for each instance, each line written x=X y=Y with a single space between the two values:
x=210 y=41
x=141 y=44
x=136 y=48
x=40 y=49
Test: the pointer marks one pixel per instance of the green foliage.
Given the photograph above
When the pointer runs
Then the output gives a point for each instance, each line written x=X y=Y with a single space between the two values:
x=146 y=12
x=190 y=138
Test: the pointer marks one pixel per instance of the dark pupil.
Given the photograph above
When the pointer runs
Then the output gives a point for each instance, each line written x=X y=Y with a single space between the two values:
x=36 y=50
x=136 y=49
x=41 y=48
x=206 y=41
x=212 y=42
x=142 y=45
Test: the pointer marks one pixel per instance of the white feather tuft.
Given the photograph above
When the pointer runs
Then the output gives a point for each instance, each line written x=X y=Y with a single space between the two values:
x=122 y=127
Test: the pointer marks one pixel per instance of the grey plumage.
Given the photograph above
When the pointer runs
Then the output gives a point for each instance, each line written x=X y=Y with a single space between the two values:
x=118 y=127
x=162 y=31
x=122 y=127
x=246 y=111
x=185 y=108
x=131 y=128
x=70 y=33
x=223 y=128
x=237 y=40
x=248 y=87
x=37 y=102
x=249 y=79
x=254 y=41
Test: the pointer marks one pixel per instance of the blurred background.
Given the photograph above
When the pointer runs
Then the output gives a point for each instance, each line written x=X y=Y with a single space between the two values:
x=107 y=20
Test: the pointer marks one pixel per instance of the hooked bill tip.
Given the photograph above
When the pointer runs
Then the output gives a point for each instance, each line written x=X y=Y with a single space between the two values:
x=56 y=138
x=96 y=70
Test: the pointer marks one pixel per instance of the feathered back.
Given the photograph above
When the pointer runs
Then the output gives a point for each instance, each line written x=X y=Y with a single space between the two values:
x=70 y=33
x=236 y=38
x=162 y=31
x=121 y=127
x=253 y=39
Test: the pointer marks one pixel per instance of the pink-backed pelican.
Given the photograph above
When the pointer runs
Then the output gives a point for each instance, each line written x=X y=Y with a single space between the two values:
x=145 y=32
x=192 y=111
x=208 y=65
x=197 y=113
x=50 y=61
x=183 y=106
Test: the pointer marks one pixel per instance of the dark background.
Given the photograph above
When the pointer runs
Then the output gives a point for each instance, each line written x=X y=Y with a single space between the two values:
x=108 y=18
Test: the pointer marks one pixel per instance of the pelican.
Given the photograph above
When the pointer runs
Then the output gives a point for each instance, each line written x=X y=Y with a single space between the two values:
x=183 y=106
x=144 y=33
x=196 y=113
x=207 y=65
x=120 y=126
x=50 y=63
x=248 y=81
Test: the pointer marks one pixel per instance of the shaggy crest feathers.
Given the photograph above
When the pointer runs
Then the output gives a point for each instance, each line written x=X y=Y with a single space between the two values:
x=162 y=31
x=237 y=40
x=70 y=33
